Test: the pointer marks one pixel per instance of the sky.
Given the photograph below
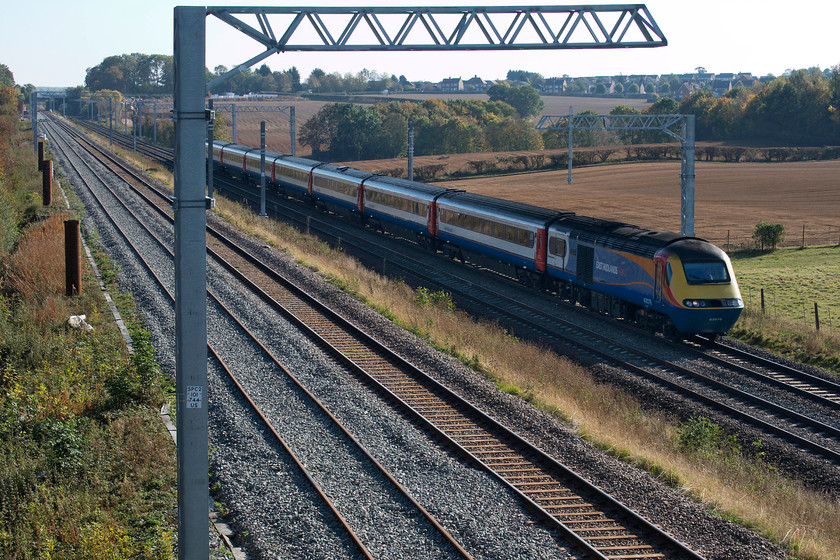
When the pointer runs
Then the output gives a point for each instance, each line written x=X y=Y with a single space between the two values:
x=762 y=37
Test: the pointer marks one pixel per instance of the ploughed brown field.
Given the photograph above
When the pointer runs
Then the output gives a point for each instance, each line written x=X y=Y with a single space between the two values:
x=730 y=197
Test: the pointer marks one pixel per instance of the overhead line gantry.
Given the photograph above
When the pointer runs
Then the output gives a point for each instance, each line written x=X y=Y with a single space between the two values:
x=491 y=28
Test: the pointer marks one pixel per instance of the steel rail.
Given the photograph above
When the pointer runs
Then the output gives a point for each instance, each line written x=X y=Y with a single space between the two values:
x=404 y=491
x=592 y=547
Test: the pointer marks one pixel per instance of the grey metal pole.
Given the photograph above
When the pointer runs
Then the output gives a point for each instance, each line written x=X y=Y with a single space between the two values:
x=191 y=283
x=154 y=133
x=140 y=119
x=292 y=129
x=33 y=114
x=411 y=149
x=134 y=128
x=64 y=107
x=233 y=120
x=262 y=168
x=687 y=178
x=571 y=141
x=110 y=121
x=209 y=158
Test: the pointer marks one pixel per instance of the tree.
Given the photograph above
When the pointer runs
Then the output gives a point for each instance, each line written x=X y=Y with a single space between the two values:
x=628 y=136
x=768 y=235
x=525 y=99
x=6 y=76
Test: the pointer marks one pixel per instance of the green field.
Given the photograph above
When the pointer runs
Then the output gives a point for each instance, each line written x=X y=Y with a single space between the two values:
x=793 y=280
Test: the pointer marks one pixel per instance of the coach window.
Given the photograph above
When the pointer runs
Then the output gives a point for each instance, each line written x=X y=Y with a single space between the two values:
x=668 y=274
x=557 y=246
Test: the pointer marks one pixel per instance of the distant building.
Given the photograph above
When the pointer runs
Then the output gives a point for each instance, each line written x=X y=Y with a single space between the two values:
x=476 y=84
x=722 y=85
x=687 y=89
x=452 y=84
x=554 y=86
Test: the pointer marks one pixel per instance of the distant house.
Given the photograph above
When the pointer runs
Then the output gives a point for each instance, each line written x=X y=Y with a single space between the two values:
x=744 y=79
x=554 y=86
x=687 y=89
x=721 y=85
x=476 y=84
x=452 y=84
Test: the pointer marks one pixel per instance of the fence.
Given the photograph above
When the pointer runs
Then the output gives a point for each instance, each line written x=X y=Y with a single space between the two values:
x=811 y=315
x=806 y=236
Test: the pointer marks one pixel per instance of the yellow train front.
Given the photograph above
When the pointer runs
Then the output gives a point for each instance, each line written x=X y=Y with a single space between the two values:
x=695 y=287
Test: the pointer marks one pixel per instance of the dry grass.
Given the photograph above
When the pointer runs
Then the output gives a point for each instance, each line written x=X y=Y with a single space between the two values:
x=740 y=488
x=736 y=487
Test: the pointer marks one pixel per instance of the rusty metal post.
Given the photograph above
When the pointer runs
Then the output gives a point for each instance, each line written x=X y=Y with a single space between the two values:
x=40 y=154
x=817 y=315
x=47 y=172
x=72 y=257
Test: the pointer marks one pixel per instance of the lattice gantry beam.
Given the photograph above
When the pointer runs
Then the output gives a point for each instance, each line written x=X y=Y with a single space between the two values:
x=670 y=124
x=446 y=28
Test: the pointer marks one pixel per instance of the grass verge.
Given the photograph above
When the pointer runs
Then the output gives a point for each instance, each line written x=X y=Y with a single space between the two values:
x=736 y=483
x=86 y=469
x=793 y=279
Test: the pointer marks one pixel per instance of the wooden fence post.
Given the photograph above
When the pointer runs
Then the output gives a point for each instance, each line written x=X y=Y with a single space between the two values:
x=817 y=315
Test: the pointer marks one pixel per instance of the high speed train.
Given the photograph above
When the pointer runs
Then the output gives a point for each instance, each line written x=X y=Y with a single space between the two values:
x=670 y=283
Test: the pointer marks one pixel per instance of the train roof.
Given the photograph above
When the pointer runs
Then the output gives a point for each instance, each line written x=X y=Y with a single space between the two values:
x=304 y=162
x=618 y=235
x=405 y=185
x=507 y=208
x=342 y=171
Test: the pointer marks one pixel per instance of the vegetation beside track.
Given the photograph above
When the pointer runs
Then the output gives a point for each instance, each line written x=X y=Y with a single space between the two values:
x=793 y=279
x=87 y=470
x=735 y=479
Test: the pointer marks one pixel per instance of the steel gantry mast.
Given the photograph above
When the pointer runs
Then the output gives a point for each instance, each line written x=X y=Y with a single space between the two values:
x=680 y=127
x=321 y=29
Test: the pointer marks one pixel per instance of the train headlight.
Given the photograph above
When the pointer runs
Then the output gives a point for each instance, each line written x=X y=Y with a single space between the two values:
x=733 y=302
x=694 y=303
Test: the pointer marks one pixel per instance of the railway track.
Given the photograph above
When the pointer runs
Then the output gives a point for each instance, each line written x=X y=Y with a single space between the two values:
x=704 y=376
x=354 y=458
x=594 y=521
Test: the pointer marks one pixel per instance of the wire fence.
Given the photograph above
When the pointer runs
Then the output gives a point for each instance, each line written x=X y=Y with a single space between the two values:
x=806 y=236
x=811 y=315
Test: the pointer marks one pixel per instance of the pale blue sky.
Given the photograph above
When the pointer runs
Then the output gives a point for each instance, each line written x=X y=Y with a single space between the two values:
x=723 y=36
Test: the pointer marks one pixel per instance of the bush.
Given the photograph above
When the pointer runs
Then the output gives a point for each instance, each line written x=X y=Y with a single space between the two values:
x=767 y=235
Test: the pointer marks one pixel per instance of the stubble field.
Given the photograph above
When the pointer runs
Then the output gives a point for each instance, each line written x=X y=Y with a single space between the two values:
x=730 y=198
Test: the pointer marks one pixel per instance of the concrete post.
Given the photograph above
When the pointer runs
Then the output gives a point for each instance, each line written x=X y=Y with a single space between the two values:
x=40 y=154
x=72 y=258
x=46 y=182
x=191 y=283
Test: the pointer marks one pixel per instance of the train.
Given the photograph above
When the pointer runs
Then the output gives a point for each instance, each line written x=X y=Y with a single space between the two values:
x=665 y=282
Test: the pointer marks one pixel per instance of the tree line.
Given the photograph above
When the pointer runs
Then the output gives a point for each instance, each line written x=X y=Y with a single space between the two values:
x=344 y=131
x=799 y=109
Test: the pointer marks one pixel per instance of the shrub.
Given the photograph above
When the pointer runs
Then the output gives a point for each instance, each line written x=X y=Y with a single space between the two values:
x=768 y=235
